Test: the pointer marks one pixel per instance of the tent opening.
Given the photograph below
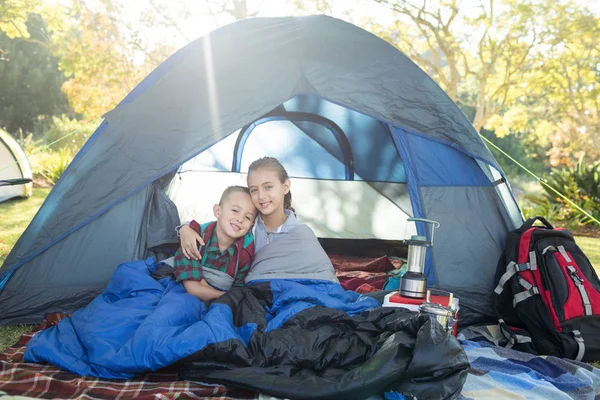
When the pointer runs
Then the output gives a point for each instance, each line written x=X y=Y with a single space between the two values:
x=348 y=179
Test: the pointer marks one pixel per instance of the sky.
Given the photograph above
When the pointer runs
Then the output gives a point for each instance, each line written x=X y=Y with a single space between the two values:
x=194 y=20
x=203 y=22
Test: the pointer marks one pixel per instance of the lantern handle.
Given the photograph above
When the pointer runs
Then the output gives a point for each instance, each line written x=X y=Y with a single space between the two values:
x=434 y=225
x=429 y=221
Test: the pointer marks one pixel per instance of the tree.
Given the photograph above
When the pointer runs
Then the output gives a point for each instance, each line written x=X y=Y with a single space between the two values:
x=561 y=103
x=236 y=9
x=314 y=7
x=174 y=15
x=99 y=59
x=478 y=54
x=30 y=81
x=105 y=54
x=13 y=17
x=526 y=68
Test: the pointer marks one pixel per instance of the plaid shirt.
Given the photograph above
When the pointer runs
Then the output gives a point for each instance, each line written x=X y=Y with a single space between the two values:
x=212 y=257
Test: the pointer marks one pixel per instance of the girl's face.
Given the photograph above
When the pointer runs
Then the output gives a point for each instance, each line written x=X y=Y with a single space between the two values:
x=267 y=191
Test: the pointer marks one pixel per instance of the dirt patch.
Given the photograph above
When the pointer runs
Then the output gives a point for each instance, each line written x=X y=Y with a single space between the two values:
x=41 y=183
x=592 y=231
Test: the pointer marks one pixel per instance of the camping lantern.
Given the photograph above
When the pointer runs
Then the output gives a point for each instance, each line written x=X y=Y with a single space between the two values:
x=414 y=283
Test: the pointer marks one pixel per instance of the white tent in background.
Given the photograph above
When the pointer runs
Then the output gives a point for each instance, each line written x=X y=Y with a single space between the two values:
x=13 y=165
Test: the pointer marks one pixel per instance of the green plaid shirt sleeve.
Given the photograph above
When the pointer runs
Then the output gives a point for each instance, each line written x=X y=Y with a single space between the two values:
x=213 y=258
x=186 y=270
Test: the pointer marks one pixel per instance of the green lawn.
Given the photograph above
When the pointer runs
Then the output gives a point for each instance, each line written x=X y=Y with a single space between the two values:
x=16 y=214
x=591 y=247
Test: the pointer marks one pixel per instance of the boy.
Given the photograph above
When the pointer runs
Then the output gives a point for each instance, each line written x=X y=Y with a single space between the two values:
x=228 y=251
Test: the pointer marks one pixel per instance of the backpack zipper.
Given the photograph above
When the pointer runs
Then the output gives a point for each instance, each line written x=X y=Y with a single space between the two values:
x=578 y=281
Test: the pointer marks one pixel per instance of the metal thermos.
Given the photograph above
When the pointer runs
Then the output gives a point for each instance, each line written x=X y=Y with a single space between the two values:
x=414 y=283
x=446 y=316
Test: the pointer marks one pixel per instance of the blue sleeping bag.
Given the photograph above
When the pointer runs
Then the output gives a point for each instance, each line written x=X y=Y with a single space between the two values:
x=290 y=329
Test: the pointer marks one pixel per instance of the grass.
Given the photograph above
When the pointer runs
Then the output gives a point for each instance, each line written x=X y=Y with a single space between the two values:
x=9 y=335
x=16 y=214
x=591 y=247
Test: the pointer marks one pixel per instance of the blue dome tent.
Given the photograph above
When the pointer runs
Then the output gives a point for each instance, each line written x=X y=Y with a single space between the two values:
x=367 y=137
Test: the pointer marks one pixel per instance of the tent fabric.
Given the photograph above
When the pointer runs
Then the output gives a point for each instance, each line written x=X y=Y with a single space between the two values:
x=13 y=165
x=83 y=264
x=438 y=164
x=216 y=86
x=415 y=198
x=473 y=227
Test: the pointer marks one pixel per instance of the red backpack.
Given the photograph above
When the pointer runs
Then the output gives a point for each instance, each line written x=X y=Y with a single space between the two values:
x=548 y=294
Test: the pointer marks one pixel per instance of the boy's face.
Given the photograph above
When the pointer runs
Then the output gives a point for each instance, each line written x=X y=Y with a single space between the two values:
x=236 y=215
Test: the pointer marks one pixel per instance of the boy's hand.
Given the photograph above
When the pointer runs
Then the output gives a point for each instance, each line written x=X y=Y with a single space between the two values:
x=189 y=239
x=202 y=290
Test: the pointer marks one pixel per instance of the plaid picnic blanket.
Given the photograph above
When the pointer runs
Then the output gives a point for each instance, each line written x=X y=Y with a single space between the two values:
x=369 y=264
x=363 y=275
x=46 y=381
x=502 y=373
x=495 y=373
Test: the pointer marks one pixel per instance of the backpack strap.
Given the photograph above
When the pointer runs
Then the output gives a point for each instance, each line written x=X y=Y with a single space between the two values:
x=580 y=343
x=529 y=223
x=563 y=252
x=530 y=290
x=548 y=248
x=513 y=338
x=519 y=297
x=578 y=281
x=513 y=268
x=532 y=261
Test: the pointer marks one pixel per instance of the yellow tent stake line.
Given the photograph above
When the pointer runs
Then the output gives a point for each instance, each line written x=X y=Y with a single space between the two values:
x=541 y=180
x=44 y=147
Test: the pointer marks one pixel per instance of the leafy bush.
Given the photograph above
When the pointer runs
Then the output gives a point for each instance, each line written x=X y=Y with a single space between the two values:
x=30 y=145
x=74 y=132
x=523 y=147
x=533 y=205
x=50 y=154
x=50 y=165
x=580 y=184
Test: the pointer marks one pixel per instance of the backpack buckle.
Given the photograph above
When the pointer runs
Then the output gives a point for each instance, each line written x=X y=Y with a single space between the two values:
x=519 y=297
x=511 y=269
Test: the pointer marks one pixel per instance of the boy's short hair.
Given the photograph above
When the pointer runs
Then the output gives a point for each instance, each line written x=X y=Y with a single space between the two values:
x=232 y=189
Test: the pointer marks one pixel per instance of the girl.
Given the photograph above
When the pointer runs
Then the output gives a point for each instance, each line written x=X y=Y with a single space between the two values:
x=297 y=253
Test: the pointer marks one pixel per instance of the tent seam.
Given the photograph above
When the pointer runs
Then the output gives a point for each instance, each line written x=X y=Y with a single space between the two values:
x=413 y=188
